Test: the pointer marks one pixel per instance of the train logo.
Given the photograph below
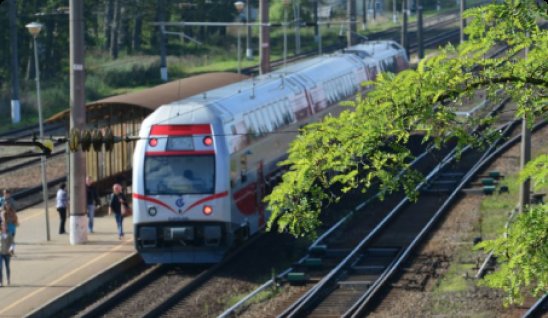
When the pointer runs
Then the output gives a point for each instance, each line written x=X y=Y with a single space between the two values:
x=180 y=202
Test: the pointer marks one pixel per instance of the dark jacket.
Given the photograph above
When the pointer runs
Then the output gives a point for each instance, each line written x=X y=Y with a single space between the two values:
x=91 y=195
x=115 y=203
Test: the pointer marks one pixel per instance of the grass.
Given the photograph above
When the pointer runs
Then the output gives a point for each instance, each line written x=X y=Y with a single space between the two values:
x=454 y=280
x=263 y=295
x=496 y=208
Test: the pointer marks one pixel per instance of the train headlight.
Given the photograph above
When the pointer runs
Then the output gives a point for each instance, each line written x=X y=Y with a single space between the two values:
x=153 y=142
x=152 y=211
x=208 y=141
x=207 y=210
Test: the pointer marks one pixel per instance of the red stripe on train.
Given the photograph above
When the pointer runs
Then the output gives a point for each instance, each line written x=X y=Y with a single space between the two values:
x=179 y=153
x=145 y=198
x=209 y=198
x=180 y=130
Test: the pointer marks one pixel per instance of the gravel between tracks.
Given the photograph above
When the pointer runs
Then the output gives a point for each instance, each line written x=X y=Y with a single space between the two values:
x=30 y=177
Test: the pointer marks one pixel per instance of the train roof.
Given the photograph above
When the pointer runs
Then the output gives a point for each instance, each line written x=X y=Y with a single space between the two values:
x=234 y=99
x=238 y=98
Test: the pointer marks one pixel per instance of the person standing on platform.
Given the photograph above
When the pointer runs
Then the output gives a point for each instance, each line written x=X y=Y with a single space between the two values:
x=10 y=222
x=61 y=204
x=7 y=198
x=6 y=242
x=116 y=201
x=92 y=200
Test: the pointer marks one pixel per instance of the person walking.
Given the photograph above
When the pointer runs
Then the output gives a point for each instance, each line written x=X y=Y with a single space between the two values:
x=92 y=200
x=118 y=200
x=6 y=241
x=10 y=222
x=61 y=204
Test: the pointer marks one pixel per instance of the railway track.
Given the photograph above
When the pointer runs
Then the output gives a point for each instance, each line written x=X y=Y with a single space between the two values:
x=347 y=289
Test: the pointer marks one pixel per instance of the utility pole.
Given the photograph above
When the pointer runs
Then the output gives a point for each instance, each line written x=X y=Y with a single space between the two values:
x=364 y=14
x=163 y=63
x=404 y=42
x=394 y=12
x=316 y=26
x=297 y=16
x=462 y=20
x=525 y=187
x=351 y=7
x=15 y=105
x=419 y=30
x=264 y=38
x=77 y=176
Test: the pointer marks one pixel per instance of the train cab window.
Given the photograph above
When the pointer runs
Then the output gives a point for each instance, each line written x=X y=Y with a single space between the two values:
x=178 y=175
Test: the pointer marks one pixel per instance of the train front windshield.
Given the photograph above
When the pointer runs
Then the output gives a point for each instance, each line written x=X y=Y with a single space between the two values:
x=177 y=175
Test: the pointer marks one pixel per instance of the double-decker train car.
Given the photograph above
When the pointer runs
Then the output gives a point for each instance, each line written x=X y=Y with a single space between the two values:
x=203 y=165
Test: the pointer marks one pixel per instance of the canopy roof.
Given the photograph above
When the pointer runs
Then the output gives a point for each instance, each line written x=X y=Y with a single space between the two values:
x=154 y=97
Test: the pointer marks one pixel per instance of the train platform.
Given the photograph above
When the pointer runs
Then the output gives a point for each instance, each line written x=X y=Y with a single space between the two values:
x=46 y=275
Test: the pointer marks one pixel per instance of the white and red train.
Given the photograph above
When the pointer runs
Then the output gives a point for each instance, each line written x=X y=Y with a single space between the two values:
x=203 y=164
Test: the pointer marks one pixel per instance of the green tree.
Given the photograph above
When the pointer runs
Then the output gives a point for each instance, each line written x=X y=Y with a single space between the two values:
x=367 y=143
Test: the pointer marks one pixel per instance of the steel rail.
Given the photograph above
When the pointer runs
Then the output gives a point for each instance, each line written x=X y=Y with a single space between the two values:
x=538 y=308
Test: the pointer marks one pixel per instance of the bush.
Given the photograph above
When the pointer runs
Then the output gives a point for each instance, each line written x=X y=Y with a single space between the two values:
x=96 y=88
x=133 y=73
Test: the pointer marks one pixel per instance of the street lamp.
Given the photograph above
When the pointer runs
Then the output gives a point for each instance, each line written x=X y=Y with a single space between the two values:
x=239 y=7
x=286 y=4
x=248 y=50
x=34 y=29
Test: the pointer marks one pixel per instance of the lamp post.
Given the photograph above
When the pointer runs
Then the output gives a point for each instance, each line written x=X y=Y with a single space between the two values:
x=248 y=50
x=286 y=4
x=239 y=7
x=34 y=29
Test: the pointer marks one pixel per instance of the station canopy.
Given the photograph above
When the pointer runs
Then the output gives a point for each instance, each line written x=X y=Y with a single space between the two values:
x=152 y=98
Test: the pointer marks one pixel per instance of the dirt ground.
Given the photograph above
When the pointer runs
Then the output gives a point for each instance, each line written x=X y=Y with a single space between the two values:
x=416 y=293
